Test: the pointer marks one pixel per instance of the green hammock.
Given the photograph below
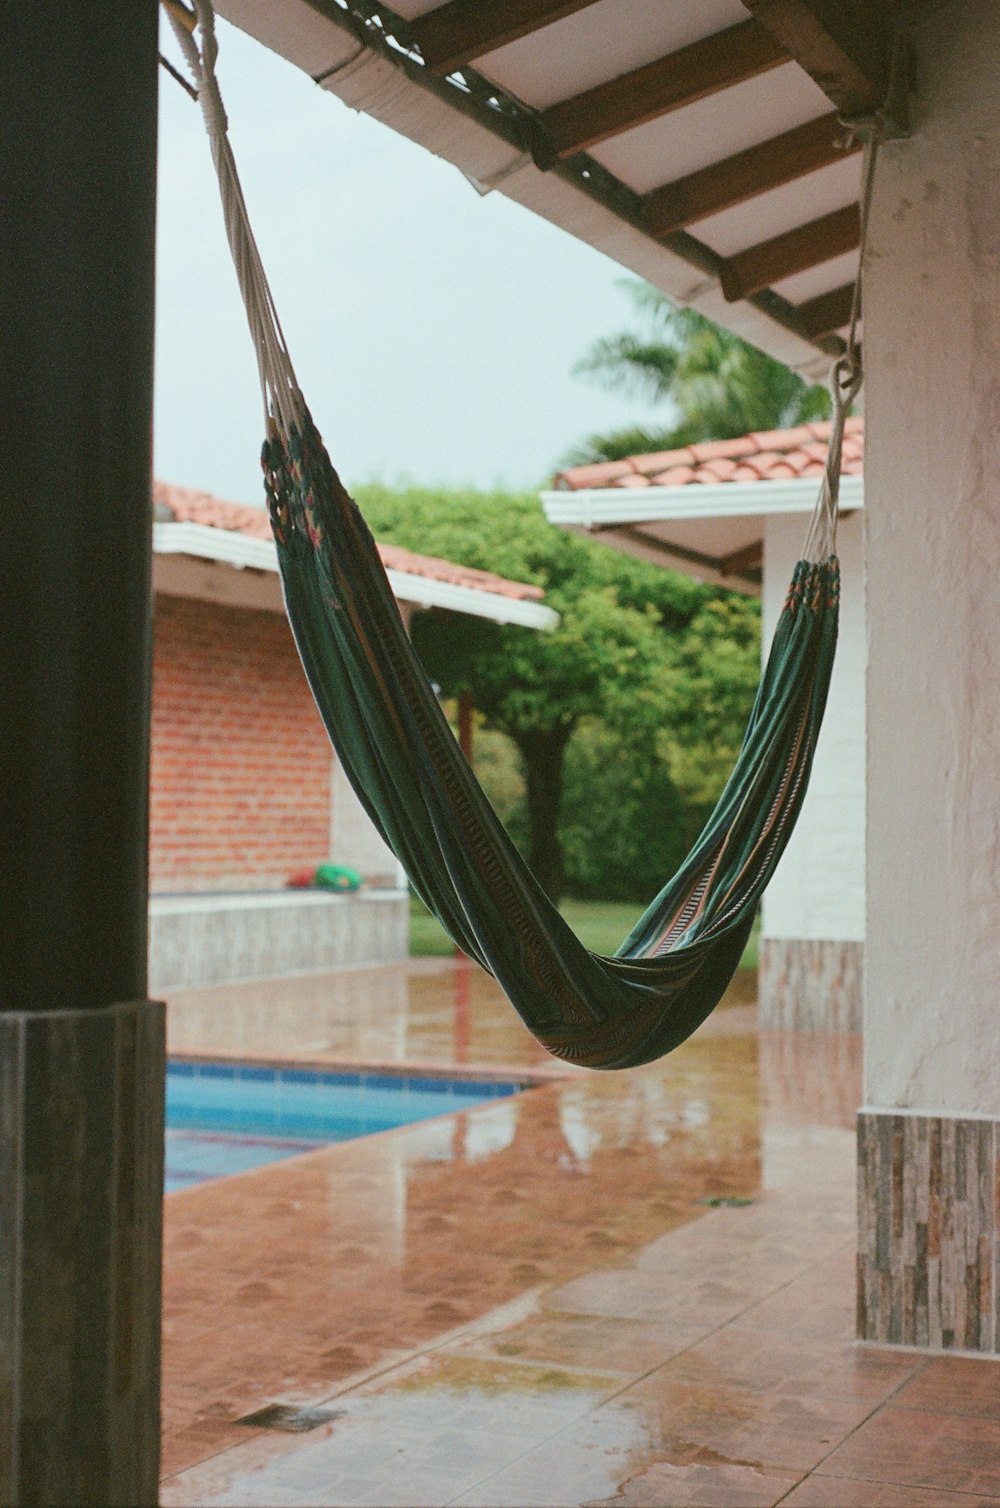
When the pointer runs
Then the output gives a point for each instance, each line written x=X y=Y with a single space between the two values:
x=403 y=761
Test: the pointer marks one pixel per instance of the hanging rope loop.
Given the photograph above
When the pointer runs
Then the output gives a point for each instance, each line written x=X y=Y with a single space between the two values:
x=846 y=379
x=283 y=406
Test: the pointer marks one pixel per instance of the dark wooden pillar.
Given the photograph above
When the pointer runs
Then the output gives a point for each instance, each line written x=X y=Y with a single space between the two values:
x=465 y=723
x=81 y=1050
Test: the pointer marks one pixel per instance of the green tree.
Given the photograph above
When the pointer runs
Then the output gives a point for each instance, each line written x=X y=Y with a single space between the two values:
x=716 y=385
x=714 y=673
x=606 y=659
x=624 y=825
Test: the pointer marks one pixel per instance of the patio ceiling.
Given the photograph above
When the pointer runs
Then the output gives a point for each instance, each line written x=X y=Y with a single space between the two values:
x=699 y=143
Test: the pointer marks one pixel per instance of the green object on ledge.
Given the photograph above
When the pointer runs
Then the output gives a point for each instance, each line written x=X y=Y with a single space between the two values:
x=336 y=877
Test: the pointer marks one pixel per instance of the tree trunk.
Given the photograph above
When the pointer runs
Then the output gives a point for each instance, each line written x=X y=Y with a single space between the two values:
x=542 y=759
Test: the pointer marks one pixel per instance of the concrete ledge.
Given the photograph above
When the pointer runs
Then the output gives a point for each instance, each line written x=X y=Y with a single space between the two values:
x=81 y=1208
x=929 y=1231
x=216 y=939
x=810 y=984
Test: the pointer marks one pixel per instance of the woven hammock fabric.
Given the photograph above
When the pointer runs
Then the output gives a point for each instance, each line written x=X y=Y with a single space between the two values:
x=403 y=761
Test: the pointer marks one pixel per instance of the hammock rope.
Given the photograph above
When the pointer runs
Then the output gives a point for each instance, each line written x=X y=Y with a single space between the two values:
x=403 y=761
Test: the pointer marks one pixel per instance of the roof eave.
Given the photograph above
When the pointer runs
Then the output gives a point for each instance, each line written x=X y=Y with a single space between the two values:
x=592 y=507
x=330 y=45
x=243 y=552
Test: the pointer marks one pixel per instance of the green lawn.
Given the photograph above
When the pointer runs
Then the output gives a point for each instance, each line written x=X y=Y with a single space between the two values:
x=601 y=925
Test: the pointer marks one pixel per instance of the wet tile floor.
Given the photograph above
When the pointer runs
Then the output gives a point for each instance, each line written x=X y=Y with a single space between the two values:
x=626 y=1288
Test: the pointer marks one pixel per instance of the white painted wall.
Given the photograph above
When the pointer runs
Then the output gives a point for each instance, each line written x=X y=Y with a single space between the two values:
x=354 y=840
x=932 y=339
x=818 y=890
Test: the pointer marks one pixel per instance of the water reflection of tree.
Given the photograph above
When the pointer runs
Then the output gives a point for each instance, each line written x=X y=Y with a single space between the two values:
x=589 y=1173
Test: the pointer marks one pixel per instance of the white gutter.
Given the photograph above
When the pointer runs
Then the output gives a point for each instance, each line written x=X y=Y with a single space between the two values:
x=246 y=553
x=425 y=591
x=591 y=507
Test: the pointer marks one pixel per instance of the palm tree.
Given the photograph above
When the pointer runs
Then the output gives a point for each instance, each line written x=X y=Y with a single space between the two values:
x=718 y=386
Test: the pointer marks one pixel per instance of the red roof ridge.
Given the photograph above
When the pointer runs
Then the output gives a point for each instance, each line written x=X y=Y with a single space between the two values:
x=397 y=558
x=190 y=506
x=762 y=455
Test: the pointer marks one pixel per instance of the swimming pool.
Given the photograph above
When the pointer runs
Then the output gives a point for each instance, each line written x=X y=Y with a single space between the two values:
x=225 y=1118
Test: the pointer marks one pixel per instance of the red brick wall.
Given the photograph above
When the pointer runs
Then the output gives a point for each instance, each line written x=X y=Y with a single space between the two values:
x=240 y=779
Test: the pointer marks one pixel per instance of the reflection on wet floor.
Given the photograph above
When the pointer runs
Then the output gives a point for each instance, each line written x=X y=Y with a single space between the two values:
x=429 y=1010
x=533 y=1302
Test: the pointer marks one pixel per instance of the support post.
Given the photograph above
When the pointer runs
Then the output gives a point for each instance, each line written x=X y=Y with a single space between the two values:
x=929 y=1136
x=465 y=722
x=81 y=1050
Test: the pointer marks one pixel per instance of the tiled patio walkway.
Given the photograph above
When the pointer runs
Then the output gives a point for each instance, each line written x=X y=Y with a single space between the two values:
x=542 y=1301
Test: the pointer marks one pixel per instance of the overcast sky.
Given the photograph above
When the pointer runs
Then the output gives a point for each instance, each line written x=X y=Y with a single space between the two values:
x=434 y=331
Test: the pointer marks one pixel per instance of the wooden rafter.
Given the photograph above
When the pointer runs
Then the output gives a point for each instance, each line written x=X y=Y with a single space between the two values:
x=827 y=312
x=782 y=256
x=682 y=77
x=725 y=565
x=844 y=45
x=736 y=179
x=739 y=562
x=461 y=30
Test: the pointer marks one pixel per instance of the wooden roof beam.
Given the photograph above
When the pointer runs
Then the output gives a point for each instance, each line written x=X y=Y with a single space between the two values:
x=741 y=562
x=826 y=313
x=461 y=30
x=797 y=250
x=747 y=174
x=680 y=78
x=844 y=45
x=748 y=570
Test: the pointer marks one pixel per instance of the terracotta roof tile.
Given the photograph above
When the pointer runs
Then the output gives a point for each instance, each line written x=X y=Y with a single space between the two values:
x=660 y=460
x=600 y=474
x=764 y=462
x=710 y=450
x=767 y=455
x=677 y=476
x=395 y=558
x=783 y=439
x=633 y=480
x=188 y=506
x=718 y=470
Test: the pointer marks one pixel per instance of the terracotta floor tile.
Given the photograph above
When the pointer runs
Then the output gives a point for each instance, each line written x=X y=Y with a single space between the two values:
x=818 y=1305
x=955 y=1385
x=625 y=1348
x=297 y=1278
x=823 y=1491
x=613 y=1455
x=787 y=1365
x=692 y=1423
x=533 y=1303
x=922 y=1449
x=700 y=1487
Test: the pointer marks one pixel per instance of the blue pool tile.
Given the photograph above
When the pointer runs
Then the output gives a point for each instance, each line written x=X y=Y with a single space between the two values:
x=250 y=1114
x=252 y=1071
x=435 y=1086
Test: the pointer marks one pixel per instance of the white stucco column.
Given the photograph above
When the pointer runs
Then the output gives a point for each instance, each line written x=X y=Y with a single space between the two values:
x=928 y=1140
